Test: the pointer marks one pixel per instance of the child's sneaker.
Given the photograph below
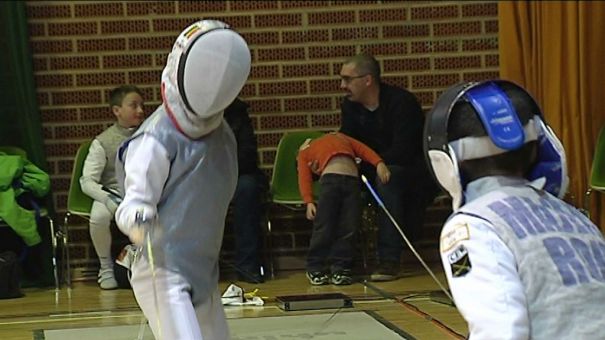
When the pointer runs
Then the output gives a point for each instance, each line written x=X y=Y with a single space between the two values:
x=341 y=278
x=318 y=278
x=106 y=279
x=386 y=271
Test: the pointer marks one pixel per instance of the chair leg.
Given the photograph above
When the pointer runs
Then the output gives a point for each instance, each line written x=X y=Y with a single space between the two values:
x=62 y=233
x=366 y=234
x=269 y=249
x=364 y=253
x=53 y=238
x=362 y=242
x=67 y=259
x=586 y=208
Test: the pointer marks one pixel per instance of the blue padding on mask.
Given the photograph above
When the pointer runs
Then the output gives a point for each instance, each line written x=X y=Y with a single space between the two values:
x=549 y=164
x=552 y=172
x=498 y=115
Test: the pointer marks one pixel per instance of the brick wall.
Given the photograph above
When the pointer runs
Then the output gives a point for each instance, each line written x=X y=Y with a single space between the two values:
x=81 y=50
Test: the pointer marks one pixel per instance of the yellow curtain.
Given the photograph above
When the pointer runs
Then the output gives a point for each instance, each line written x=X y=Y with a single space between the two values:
x=556 y=50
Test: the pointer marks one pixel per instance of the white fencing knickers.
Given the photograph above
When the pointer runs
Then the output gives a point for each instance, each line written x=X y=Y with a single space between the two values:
x=178 y=318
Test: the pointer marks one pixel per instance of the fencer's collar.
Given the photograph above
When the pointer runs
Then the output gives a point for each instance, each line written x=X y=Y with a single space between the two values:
x=484 y=185
x=538 y=183
x=124 y=131
x=170 y=113
x=185 y=125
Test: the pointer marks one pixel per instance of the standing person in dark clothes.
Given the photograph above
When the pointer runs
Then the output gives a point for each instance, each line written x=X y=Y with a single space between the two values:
x=252 y=185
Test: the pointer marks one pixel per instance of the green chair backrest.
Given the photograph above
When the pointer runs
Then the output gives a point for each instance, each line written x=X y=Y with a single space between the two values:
x=78 y=202
x=597 y=173
x=13 y=150
x=284 y=182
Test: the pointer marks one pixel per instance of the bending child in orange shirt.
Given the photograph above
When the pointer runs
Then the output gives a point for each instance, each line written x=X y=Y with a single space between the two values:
x=338 y=212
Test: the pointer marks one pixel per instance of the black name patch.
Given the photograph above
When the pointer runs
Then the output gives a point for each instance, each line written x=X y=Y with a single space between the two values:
x=460 y=262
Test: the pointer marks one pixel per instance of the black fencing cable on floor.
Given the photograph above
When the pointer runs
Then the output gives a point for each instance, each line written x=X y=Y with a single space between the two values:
x=416 y=310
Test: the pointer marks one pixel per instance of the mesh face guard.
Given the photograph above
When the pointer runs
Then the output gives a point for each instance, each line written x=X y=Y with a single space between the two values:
x=186 y=40
x=505 y=133
x=206 y=69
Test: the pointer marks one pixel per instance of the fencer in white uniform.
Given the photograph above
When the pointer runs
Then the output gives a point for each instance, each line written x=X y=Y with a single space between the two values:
x=179 y=172
x=520 y=262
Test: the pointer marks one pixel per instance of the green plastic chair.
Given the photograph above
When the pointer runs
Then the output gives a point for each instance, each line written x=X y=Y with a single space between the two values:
x=284 y=182
x=78 y=203
x=597 y=172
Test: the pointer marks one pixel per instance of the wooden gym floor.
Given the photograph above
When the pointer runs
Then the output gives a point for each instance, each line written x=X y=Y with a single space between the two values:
x=405 y=303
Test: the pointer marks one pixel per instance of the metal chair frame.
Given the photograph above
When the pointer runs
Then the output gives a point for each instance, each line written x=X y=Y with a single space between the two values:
x=596 y=181
x=78 y=203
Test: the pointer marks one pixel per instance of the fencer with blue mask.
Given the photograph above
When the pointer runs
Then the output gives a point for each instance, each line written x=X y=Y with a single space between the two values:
x=179 y=173
x=520 y=262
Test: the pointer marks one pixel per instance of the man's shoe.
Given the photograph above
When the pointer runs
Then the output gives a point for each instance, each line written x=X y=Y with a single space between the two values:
x=318 y=278
x=386 y=271
x=106 y=279
x=341 y=278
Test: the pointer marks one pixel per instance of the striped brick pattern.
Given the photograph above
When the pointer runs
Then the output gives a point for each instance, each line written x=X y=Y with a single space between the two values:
x=83 y=49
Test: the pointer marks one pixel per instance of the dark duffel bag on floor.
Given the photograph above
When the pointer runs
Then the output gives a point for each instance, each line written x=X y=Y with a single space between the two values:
x=10 y=276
